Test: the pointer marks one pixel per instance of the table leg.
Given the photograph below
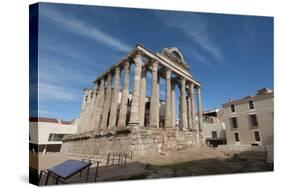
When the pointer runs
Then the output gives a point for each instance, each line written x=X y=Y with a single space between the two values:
x=96 y=174
x=40 y=177
x=47 y=178
x=57 y=180
x=88 y=170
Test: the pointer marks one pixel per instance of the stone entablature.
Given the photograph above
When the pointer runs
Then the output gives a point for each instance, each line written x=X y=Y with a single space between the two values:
x=101 y=109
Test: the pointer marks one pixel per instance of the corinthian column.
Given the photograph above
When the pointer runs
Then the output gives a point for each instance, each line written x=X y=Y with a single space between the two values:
x=154 y=99
x=142 y=97
x=93 y=96
x=114 y=102
x=124 y=99
x=98 y=107
x=173 y=105
x=199 y=103
x=183 y=105
x=107 y=101
x=168 y=115
x=192 y=113
x=82 y=120
x=189 y=112
x=134 y=117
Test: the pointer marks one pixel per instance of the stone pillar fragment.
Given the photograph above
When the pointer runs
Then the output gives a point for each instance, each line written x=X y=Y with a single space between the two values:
x=168 y=115
x=114 y=102
x=142 y=97
x=125 y=93
x=98 y=107
x=183 y=105
x=134 y=115
x=107 y=102
x=154 y=99
x=173 y=104
x=200 y=115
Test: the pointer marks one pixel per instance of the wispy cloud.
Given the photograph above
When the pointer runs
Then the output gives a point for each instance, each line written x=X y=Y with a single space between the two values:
x=195 y=27
x=52 y=92
x=200 y=58
x=73 y=24
x=53 y=72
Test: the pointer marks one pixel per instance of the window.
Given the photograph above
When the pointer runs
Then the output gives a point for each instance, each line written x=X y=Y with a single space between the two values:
x=253 y=120
x=232 y=108
x=55 y=137
x=92 y=94
x=251 y=105
x=214 y=134
x=51 y=137
x=86 y=98
x=257 y=136
x=236 y=135
x=234 y=124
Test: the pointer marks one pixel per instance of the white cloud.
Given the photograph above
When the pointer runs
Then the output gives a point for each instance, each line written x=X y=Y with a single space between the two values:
x=194 y=26
x=200 y=58
x=52 y=72
x=51 y=92
x=75 y=25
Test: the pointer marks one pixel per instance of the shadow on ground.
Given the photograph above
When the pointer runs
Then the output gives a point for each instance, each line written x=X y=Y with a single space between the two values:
x=135 y=170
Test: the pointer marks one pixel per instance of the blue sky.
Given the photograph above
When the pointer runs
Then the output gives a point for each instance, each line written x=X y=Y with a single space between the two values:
x=232 y=56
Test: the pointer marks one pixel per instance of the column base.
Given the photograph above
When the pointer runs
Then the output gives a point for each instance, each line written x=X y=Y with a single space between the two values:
x=133 y=124
x=153 y=126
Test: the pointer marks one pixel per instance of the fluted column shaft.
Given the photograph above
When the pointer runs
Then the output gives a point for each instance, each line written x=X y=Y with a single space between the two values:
x=124 y=99
x=142 y=97
x=134 y=115
x=192 y=112
x=183 y=105
x=189 y=112
x=92 y=97
x=107 y=102
x=98 y=107
x=168 y=115
x=154 y=99
x=200 y=115
x=82 y=119
x=114 y=101
x=173 y=93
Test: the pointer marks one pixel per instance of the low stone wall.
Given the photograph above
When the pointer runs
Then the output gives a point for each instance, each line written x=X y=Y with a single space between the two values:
x=139 y=141
x=267 y=150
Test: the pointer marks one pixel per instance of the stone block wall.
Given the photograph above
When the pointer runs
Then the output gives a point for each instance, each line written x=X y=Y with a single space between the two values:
x=140 y=141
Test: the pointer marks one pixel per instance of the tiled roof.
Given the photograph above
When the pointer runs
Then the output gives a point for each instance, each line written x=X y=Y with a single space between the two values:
x=49 y=120
x=42 y=119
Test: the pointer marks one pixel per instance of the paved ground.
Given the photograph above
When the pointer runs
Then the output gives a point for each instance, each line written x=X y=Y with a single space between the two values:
x=194 y=161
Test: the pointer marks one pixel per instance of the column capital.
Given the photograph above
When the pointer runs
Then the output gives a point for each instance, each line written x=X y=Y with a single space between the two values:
x=191 y=84
x=168 y=72
x=183 y=81
x=126 y=64
x=109 y=76
x=138 y=52
x=117 y=70
x=154 y=65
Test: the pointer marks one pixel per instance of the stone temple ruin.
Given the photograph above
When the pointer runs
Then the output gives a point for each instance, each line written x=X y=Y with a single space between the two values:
x=113 y=120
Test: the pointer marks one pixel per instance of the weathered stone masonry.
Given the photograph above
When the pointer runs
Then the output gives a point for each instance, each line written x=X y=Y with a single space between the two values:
x=108 y=124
